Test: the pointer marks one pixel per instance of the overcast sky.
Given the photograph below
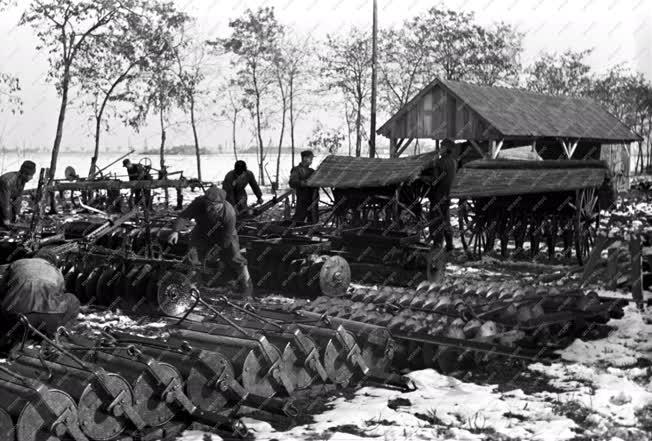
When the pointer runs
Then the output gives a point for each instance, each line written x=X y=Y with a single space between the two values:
x=619 y=31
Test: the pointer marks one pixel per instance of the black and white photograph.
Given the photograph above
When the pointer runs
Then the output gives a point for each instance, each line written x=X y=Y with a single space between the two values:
x=299 y=220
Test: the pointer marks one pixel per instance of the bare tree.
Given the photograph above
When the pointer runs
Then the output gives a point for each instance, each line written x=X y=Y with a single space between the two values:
x=346 y=67
x=191 y=76
x=123 y=57
x=66 y=28
x=253 y=42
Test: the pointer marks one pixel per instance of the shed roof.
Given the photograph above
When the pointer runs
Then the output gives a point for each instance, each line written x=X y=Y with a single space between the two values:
x=359 y=172
x=517 y=113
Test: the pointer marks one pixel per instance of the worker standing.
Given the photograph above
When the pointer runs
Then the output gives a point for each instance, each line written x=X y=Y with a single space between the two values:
x=235 y=185
x=215 y=227
x=307 y=197
x=34 y=288
x=12 y=185
x=445 y=169
x=137 y=172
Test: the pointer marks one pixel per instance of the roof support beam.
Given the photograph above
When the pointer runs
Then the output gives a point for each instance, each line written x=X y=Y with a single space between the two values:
x=403 y=147
x=495 y=148
x=534 y=150
x=571 y=150
x=476 y=146
x=565 y=147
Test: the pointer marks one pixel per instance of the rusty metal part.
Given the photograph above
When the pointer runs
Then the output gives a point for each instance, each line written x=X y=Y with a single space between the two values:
x=300 y=353
x=105 y=400
x=209 y=376
x=342 y=357
x=38 y=411
x=257 y=361
x=334 y=276
x=376 y=342
x=7 y=426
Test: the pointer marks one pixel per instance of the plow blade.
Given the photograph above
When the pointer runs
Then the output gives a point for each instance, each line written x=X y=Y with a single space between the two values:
x=105 y=400
x=30 y=411
x=257 y=363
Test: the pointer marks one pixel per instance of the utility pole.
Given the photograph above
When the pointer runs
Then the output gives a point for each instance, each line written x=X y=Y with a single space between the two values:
x=374 y=41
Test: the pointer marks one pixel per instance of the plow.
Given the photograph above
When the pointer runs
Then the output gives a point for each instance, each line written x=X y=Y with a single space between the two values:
x=207 y=358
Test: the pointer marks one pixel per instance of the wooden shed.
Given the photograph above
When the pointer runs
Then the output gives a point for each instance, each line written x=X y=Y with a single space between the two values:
x=495 y=118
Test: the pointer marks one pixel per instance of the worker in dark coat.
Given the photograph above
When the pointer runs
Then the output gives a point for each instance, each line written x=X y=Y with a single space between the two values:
x=307 y=197
x=34 y=288
x=138 y=172
x=215 y=227
x=235 y=185
x=12 y=185
x=445 y=169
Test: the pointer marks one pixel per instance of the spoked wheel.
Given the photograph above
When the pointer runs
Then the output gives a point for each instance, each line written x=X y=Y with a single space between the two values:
x=474 y=229
x=587 y=221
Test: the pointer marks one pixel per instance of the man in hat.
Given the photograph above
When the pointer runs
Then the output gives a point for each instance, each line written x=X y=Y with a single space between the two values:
x=12 y=185
x=34 y=288
x=137 y=172
x=307 y=197
x=215 y=227
x=235 y=185
x=445 y=169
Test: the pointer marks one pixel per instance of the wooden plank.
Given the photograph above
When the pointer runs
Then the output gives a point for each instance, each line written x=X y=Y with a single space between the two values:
x=401 y=149
x=120 y=185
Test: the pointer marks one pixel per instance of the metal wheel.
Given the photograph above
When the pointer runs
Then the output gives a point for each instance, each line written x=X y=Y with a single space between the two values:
x=587 y=221
x=476 y=232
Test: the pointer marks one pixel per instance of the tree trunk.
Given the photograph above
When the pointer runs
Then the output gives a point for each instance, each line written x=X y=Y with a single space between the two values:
x=292 y=118
x=163 y=137
x=194 y=134
x=348 y=124
x=280 y=145
x=280 y=140
x=100 y=114
x=233 y=129
x=358 y=124
x=96 y=153
x=261 y=150
x=65 y=84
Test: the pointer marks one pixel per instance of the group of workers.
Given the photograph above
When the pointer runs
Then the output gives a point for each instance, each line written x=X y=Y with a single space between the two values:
x=35 y=288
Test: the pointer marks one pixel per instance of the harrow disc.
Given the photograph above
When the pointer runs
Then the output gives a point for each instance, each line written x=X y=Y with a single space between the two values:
x=298 y=373
x=147 y=400
x=208 y=381
x=174 y=294
x=335 y=276
x=94 y=420
x=6 y=425
x=34 y=422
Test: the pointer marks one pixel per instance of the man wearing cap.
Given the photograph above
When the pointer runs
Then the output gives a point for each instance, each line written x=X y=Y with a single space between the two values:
x=445 y=169
x=215 y=227
x=307 y=197
x=137 y=172
x=34 y=288
x=12 y=185
x=235 y=185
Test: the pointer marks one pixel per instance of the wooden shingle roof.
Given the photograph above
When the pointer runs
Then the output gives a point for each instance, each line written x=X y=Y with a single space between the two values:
x=516 y=113
x=358 y=172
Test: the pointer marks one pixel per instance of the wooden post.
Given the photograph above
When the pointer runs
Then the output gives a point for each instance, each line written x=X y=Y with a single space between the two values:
x=372 y=131
x=392 y=147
